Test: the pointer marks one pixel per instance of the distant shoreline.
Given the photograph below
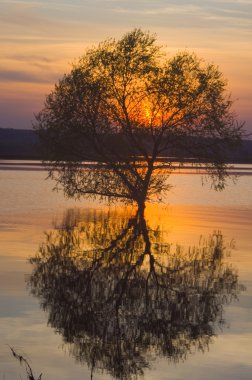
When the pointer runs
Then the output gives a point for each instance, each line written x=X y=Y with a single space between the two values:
x=37 y=164
x=38 y=158
x=23 y=144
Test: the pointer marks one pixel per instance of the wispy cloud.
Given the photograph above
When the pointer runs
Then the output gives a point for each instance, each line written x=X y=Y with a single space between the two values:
x=28 y=58
x=159 y=10
x=24 y=76
x=200 y=14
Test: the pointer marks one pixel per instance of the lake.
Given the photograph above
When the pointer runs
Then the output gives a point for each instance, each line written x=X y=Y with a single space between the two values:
x=89 y=290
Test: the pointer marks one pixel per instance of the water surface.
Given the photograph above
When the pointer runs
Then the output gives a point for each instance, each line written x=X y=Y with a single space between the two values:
x=38 y=315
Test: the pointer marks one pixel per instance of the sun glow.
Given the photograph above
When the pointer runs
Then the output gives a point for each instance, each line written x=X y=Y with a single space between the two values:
x=151 y=114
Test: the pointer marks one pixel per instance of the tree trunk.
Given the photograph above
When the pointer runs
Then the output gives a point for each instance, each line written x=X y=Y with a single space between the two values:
x=141 y=208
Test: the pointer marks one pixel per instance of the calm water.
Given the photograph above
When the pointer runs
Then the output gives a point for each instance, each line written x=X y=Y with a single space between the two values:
x=108 y=294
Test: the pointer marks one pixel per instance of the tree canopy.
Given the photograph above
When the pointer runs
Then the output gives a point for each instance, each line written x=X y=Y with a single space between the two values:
x=130 y=108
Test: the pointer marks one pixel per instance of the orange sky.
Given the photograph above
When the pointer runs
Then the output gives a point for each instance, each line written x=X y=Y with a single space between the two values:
x=40 y=39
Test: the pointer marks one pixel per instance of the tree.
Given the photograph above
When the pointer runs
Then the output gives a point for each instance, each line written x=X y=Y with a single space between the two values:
x=127 y=107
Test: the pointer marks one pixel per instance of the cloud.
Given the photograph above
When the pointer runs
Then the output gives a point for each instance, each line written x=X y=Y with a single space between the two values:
x=159 y=10
x=197 y=14
x=28 y=58
x=24 y=76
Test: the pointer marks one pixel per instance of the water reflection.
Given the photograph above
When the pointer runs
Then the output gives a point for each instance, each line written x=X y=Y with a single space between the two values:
x=120 y=295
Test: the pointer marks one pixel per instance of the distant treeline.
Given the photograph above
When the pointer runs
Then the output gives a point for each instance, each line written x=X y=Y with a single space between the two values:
x=24 y=144
x=19 y=144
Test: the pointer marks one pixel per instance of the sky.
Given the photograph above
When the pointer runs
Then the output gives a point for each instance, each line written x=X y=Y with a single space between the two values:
x=39 y=41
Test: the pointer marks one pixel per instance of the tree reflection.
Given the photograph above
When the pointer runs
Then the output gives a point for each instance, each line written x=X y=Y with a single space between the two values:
x=120 y=295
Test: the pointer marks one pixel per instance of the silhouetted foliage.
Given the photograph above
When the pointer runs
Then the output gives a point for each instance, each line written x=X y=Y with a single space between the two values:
x=124 y=105
x=120 y=295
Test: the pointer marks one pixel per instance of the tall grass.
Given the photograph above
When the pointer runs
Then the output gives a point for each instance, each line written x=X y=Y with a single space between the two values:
x=23 y=361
